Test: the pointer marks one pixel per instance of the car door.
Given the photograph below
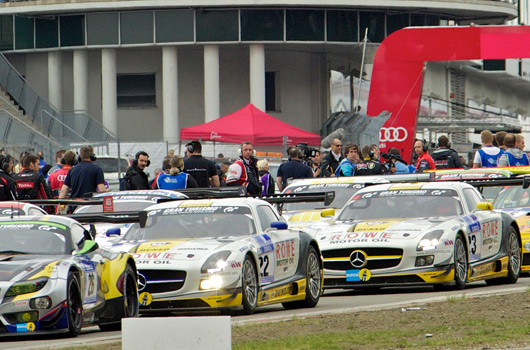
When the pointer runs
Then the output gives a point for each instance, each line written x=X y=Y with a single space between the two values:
x=485 y=228
x=281 y=262
x=91 y=264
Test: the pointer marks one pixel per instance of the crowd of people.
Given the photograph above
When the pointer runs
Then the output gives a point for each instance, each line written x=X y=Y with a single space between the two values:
x=74 y=174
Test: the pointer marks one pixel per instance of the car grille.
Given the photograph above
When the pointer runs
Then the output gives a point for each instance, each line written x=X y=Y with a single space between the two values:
x=378 y=258
x=160 y=281
x=341 y=282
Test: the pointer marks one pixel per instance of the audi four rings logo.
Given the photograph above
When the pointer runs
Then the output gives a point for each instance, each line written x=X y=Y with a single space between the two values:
x=358 y=259
x=392 y=134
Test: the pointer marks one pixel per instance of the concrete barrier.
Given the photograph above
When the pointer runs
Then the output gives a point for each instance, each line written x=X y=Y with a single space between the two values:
x=190 y=333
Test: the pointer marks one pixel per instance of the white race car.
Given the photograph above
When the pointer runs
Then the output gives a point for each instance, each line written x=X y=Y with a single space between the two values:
x=231 y=253
x=436 y=233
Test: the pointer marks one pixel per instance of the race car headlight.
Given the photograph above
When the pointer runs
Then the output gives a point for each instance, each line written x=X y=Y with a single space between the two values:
x=42 y=303
x=214 y=282
x=216 y=262
x=26 y=287
x=429 y=241
x=527 y=246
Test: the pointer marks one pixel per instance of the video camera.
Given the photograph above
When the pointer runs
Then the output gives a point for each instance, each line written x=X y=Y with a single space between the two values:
x=306 y=152
x=390 y=159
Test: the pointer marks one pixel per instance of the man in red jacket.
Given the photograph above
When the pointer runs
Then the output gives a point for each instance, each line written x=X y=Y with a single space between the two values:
x=56 y=179
x=425 y=161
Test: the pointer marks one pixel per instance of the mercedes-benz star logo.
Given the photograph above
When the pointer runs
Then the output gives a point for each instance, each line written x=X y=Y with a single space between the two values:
x=358 y=259
x=142 y=282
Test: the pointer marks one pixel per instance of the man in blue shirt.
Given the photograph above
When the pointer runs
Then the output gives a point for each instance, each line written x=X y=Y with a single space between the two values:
x=85 y=177
x=293 y=169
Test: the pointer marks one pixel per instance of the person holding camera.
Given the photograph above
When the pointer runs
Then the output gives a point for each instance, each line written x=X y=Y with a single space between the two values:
x=292 y=169
x=368 y=166
x=395 y=164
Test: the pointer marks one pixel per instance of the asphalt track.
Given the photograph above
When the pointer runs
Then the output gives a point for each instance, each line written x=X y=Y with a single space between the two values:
x=333 y=302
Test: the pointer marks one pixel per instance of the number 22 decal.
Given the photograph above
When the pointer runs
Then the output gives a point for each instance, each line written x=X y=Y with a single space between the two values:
x=264 y=265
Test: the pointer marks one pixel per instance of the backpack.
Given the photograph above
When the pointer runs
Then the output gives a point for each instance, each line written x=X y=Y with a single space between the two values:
x=125 y=182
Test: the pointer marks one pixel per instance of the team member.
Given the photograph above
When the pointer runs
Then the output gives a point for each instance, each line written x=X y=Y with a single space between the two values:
x=368 y=166
x=31 y=184
x=85 y=177
x=176 y=178
x=58 y=165
x=445 y=157
x=8 y=186
x=135 y=178
x=244 y=171
x=488 y=155
x=202 y=169
x=513 y=156
x=425 y=161
x=267 y=182
x=56 y=179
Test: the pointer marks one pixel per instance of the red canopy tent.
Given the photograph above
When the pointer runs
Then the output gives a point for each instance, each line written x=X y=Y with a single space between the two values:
x=249 y=124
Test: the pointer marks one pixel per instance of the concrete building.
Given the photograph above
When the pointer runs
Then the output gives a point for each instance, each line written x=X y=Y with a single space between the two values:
x=146 y=68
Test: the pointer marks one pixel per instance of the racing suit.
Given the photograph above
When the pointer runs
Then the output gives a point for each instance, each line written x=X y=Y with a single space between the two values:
x=56 y=180
x=424 y=162
x=369 y=167
x=31 y=185
x=8 y=187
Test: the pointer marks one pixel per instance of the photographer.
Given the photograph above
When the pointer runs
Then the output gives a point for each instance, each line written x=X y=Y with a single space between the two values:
x=394 y=163
x=293 y=169
x=313 y=158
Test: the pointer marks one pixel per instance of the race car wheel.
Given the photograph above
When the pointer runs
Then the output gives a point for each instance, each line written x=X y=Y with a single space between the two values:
x=514 y=257
x=461 y=265
x=249 y=286
x=313 y=287
x=131 y=306
x=514 y=260
x=74 y=306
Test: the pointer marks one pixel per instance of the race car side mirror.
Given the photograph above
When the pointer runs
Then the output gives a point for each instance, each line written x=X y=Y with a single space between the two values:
x=327 y=212
x=484 y=206
x=115 y=231
x=279 y=225
x=87 y=247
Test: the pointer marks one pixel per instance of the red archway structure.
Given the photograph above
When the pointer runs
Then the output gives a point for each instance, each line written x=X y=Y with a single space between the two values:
x=398 y=70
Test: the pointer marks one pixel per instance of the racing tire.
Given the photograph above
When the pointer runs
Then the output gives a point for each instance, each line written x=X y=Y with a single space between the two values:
x=461 y=263
x=249 y=286
x=313 y=289
x=131 y=307
x=514 y=261
x=74 y=305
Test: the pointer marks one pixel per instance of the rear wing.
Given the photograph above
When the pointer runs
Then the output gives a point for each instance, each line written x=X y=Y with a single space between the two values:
x=122 y=217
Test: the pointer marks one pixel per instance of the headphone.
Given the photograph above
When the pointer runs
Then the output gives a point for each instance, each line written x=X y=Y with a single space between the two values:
x=371 y=154
x=92 y=158
x=4 y=162
x=143 y=153
x=240 y=151
x=425 y=145
x=189 y=147
x=75 y=161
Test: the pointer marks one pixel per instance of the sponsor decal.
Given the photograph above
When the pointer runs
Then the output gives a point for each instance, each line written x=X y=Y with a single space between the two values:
x=280 y=292
x=472 y=222
x=448 y=242
x=264 y=243
x=358 y=275
x=490 y=231
x=285 y=252
x=398 y=187
x=374 y=226
x=145 y=299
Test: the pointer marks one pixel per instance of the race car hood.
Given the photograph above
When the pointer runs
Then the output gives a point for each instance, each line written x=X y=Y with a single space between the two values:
x=307 y=215
x=22 y=267
x=176 y=249
x=373 y=231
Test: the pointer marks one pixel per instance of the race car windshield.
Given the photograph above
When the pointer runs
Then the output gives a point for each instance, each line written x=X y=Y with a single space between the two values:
x=219 y=222
x=512 y=197
x=27 y=241
x=342 y=195
x=379 y=205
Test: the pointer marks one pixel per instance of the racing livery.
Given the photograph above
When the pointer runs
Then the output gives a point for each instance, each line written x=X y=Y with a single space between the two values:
x=222 y=253
x=439 y=233
x=515 y=200
x=12 y=208
x=54 y=278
